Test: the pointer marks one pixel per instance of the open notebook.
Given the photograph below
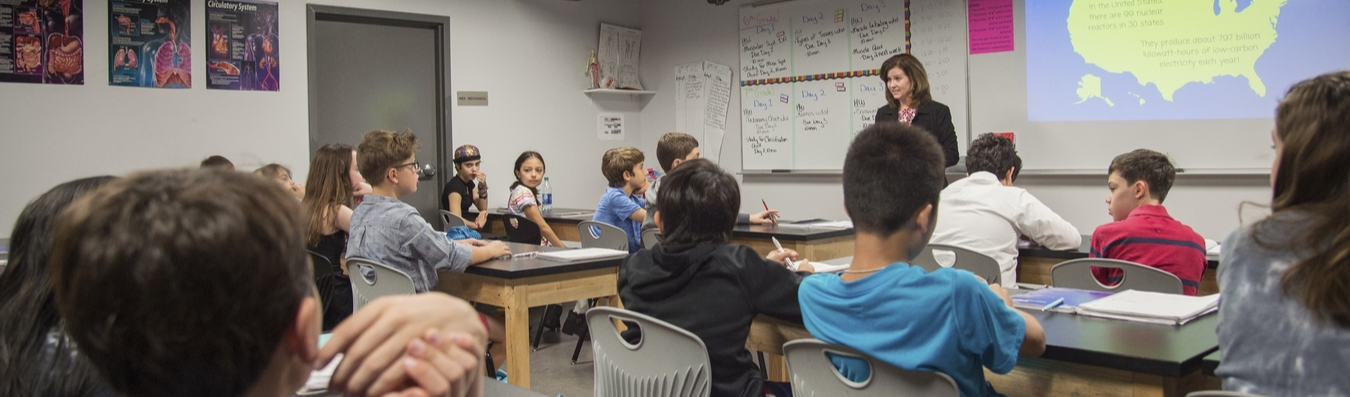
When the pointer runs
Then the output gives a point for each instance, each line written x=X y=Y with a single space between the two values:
x=1151 y=307
x=581 y=254
x=1073 y=298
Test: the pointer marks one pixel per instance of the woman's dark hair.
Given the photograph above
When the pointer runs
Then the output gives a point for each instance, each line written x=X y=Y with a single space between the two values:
x=521 y=160
x=1313 y=177
x=28 y=315
x=917 y=76
x=699 y=203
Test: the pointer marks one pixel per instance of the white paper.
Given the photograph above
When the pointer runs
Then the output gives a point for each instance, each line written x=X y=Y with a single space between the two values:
x=689 y=100
x=618 y=54
x=609 y=126
x=717 y=83
x=318 y=380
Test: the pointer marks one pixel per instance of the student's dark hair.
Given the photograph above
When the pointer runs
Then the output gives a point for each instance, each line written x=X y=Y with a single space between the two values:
x=382 y=149
x=218 y=161
x=36 y=358
x=994 y=154
x=699 y=203
x=181 y=283
x=892 y=170
x=619 y=160
x=1313 y=178
x=917 y=76
x=1149 y=166
x=674 y=146
x=521 y=161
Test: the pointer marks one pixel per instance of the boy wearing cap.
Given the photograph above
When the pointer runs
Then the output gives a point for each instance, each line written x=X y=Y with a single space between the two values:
x=468 y=187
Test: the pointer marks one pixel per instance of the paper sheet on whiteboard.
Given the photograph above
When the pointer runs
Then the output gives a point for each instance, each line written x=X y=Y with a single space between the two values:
x=717 y=83
x=689 y=99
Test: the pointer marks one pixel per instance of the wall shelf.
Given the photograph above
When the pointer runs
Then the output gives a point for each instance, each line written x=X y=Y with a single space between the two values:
x=604 y=93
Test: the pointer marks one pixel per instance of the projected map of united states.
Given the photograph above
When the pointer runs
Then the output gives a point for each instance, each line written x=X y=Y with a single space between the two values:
x=1172 y=43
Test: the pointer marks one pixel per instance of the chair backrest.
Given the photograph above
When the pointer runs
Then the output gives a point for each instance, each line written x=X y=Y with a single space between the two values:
x=520 y=229
x=449 y=220
x=666 y=361
x=371 y=280
x=1220 y=393
x=980 y=264
x=651 y=237
x=602 y=235
x=322 y=267
x=813 y=374
x=1077 y=273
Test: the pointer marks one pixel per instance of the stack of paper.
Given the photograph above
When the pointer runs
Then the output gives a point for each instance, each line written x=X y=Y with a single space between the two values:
x=824 y=267
x=1044 y=297
x=582 y=254
x=318 y=380
x=1151 y=307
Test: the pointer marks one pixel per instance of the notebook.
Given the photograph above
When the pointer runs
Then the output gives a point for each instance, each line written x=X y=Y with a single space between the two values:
x=822 y=267
x=1151 y=307
x=581 y=254
x=1038 y=299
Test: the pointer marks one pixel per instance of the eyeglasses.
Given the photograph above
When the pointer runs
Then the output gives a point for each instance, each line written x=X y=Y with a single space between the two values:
x=417 y=167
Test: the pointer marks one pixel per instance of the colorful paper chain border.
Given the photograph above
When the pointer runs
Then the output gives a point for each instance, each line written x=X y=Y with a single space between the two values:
x=830 y=76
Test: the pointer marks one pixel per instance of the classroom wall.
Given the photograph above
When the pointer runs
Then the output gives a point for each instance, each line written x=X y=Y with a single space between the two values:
x=528 y=54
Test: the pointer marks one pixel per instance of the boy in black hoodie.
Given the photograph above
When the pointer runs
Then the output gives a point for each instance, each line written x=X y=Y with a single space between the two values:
x=697 y=281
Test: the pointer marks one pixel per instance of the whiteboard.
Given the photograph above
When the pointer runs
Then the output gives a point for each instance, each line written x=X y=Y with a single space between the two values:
x=809 y=73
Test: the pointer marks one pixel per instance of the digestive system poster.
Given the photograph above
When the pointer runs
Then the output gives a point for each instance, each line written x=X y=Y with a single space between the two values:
x=148 y=43
x=42 y=41
x=242 y=46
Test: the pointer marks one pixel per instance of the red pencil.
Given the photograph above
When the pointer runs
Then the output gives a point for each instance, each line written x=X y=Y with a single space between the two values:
x=766 y=208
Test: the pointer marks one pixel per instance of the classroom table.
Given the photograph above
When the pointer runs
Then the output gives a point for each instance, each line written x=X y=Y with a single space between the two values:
x=491 y=388
x=1211 y=362
x=1084 y=356
x=1034 y=264
x=564 y=221
x=811 y=242
x=516 y=285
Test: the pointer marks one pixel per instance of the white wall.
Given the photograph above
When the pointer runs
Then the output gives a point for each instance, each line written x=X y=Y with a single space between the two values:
x=528 y=54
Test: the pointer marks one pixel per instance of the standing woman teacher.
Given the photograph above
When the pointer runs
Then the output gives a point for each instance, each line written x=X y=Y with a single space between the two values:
x=909 y=101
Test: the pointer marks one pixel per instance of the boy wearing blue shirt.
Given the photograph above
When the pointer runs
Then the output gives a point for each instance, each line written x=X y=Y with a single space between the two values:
x=622 y=205
x=947 y=321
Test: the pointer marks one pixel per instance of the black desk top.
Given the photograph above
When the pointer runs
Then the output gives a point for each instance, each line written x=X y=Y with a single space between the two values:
x=790 y=232
x=1210 y=363
x=1163 y=350
x=531 y=267
x=1037 y=251
x=556 y=214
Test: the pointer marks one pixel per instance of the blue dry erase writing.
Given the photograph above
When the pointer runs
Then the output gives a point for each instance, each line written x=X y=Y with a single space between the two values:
x=1053 y=305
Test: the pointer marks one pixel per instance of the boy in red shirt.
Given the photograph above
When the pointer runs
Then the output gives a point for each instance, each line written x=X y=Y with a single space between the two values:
x=1143 y=232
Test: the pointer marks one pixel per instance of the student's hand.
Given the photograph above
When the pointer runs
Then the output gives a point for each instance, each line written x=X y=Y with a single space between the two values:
x=769 y=216
x=1002 y=293
x=298 y=190
x=442 y=365
x=481 y=220
x=374 y=338
x=806 y=266
x=482 y=178
x=782 y=256
x=498 y=248
x=473 y=242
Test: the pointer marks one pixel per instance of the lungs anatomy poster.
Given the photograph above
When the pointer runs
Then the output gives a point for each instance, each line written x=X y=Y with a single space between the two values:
x=148 y=45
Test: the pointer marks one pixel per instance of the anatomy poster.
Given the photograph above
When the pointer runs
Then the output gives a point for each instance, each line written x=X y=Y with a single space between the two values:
x=148 y=43
x=241 y=51
x=42 y=41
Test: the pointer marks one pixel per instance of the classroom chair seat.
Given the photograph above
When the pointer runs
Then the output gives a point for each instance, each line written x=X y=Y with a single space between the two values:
x=371 y=280
x=449 y=220
x=596 y=234
x=1077 y=273
x=813 y=374
x=651 y=237
x=520 y=229
x=665 y=361
x=1220 y=393
x=980 y=264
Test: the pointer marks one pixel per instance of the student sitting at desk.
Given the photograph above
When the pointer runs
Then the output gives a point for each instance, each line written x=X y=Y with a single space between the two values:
x=698 y=281
x=1284 y=323
x=524 y=195
x=985 y=213
x=673 y=149
x=1143 y=232
x=162 y=306
x=948 y=320
x=282 y=176
x=622 y=204
x=467 y=188
x=333 y=185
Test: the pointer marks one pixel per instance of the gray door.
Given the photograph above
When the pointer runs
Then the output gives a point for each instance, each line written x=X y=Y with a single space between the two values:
x=379 y=70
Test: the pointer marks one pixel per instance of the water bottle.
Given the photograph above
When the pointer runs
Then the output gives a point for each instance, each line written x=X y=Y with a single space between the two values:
x=545 y=197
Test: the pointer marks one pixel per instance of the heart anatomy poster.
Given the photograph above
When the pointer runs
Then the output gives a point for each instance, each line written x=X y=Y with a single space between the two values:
x=42 y=41
x=241 y=51
x=148 y=45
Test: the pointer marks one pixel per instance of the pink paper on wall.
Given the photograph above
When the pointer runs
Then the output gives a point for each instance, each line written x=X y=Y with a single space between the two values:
x=991 y=26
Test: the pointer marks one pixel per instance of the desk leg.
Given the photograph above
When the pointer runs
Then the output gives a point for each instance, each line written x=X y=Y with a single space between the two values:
x=778 y=370
x=517 y=338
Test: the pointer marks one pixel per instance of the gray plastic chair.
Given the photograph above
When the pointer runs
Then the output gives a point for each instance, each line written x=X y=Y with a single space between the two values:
x=651 y=237
x=602 y=235
x=1220 y=393
x=449 y=220
x=1077 y=273
x=667 y=361
x=980 y=264
x=371 y=280
x=814 y=375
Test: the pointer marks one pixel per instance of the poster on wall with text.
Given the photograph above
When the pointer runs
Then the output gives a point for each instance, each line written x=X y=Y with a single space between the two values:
x=148 y=43
x=42 y=41
x=242 y=52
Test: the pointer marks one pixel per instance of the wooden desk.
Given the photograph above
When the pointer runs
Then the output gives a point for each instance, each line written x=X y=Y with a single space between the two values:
x=813 y=243
x=564 y=221
x=1033 y=265
x=1211 y=362
x=516 y=285
x=1084 y=356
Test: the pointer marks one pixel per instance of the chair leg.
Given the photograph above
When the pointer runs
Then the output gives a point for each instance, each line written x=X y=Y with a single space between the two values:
x=487 y=360
x=538 y=333
x=585 y=334
x=763 y=365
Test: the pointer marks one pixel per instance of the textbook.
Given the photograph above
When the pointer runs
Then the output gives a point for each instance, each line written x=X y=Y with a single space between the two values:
x=1151 y=307
x=581 y=254
x=1039 y=299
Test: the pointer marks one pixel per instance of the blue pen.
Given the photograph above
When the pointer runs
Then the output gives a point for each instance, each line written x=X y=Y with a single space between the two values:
x=1053 y=305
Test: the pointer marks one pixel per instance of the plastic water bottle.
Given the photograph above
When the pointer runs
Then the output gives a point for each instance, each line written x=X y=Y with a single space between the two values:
x=545 y=197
